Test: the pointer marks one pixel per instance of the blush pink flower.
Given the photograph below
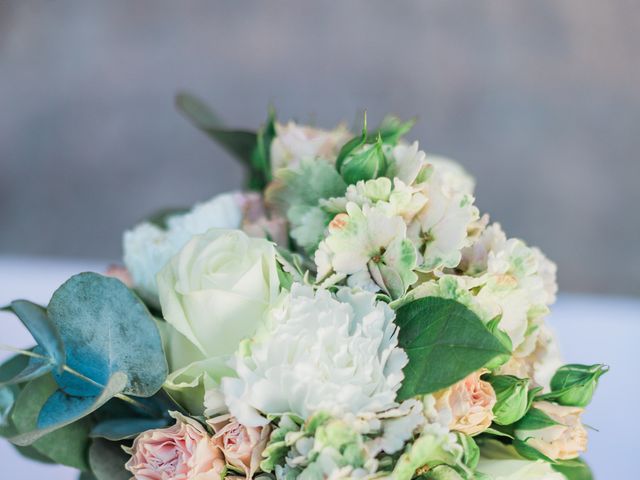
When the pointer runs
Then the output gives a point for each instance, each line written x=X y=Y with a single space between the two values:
x=242 y=446
x=121 y=273
x=468 y=404
x=184 y=451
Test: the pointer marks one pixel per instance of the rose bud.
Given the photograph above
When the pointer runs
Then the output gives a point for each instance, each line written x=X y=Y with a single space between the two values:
x=512 y=394
x=574 y=385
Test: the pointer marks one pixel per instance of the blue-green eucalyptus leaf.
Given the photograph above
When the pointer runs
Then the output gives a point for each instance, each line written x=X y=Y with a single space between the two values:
x=60 y=410
x=44 y=331
x=126 y=428
x=106 y=329
x=67 y=445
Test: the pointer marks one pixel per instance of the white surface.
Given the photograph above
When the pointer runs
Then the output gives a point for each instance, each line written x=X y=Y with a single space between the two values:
x=591 y=329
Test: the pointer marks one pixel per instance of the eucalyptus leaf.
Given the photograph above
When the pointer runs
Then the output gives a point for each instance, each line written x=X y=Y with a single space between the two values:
x=126 y=428
x=445 y=342
x=107 y=460
x=106 y=329
x=42 y=328
x=67 y=445
x=60 y=410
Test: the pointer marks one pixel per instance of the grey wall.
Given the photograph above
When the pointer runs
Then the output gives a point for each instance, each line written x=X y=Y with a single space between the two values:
x=539 y=99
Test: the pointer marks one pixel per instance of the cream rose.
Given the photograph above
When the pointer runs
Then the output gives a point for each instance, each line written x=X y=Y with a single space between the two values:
x=242 y=446
x=213 y=294
x=184 y=451
x=294 y=142
x=563 y=441
x=467 y=405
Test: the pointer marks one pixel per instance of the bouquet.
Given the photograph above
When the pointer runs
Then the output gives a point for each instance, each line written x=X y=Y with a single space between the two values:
x=351 y=315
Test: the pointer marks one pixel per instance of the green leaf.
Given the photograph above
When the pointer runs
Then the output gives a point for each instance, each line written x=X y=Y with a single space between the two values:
x=527 y=451
x=260 y=172
x=392 y=129
x=535 y=419
x=445 y=342
x=68 y=445
x=574 y=384
x=574 y=469
x=239 y=143
x=107 y=460
x=106 y=329
x=366 y=162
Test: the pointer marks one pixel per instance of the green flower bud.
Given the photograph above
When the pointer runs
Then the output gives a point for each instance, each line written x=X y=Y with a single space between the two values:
x=573 y=385
x=366 y=162
x=512 y=398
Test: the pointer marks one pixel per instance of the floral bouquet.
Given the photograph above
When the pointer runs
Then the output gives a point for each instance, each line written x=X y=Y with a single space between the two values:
x=350 y=316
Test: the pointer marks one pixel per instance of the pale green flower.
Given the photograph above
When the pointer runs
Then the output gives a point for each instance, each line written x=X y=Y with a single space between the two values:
x=213 y=294
x=370 y=246
x=318 y=352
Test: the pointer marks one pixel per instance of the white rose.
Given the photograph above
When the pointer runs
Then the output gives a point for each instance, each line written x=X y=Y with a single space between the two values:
x=147 y=247
x=213 y=294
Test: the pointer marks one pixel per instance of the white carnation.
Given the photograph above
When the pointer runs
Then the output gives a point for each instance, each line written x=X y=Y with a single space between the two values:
x=320 y=352
x=147 y=247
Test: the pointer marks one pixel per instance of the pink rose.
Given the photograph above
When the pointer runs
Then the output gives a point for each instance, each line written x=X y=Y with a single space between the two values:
x=468 y=404
x=242 y=446
x=184 y=451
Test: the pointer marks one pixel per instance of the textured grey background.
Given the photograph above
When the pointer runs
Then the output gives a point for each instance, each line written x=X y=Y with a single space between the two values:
x=540 y=100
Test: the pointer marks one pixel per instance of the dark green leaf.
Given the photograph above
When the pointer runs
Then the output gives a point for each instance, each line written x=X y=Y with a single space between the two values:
x=445 y=342
x=107 y=460
x=238 y=143
x=535 y=419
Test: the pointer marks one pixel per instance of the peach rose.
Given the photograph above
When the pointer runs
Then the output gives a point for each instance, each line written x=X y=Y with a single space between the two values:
x=469 y=404
x=559 y=442
x=242 y=446
x=184 y=451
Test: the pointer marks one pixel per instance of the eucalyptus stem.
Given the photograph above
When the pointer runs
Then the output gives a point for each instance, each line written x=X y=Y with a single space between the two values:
x=20 y=351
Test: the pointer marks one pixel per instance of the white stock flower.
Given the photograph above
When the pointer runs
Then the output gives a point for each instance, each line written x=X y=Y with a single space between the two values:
x=453 y=175
x=440 y=229
x=295 y=142
x=147 y=247
x=319 y=352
